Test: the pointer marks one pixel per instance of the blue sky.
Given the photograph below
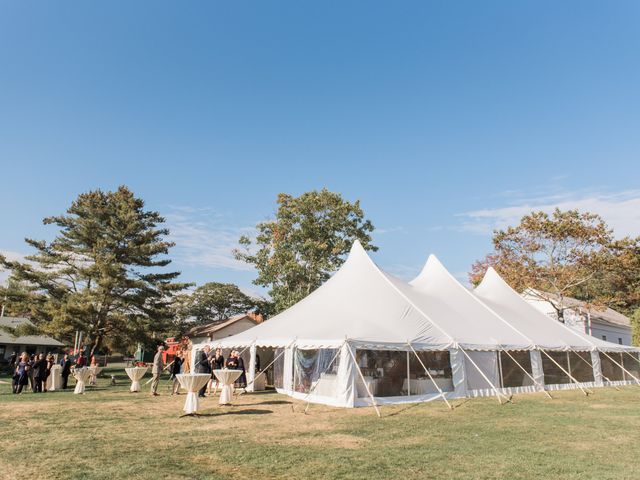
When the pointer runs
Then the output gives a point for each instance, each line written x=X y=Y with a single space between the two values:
x=446 y=119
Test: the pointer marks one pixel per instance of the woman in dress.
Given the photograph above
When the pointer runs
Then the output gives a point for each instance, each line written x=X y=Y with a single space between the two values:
x=217 y=363
x=21 y=373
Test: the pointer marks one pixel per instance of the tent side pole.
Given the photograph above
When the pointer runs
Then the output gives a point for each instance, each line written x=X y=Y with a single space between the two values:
x=364 y=382
x=527 y=373
x=431 y=378
x=567 y=373
x=623 y=369
x=498 y=394
x=313 y=387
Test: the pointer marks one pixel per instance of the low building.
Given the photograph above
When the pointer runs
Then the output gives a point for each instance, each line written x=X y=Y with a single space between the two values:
x=26 y=343
x=224 y=328
x=603 y=323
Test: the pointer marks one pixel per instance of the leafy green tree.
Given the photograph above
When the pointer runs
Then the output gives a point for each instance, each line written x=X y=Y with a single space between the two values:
x=553 y=256
x=618 y=278
x=214 y=301
x=307 y=241
x=102 y=274
x=635 y=328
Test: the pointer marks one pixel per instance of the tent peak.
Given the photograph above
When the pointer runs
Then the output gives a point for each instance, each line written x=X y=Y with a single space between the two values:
x=431 y=265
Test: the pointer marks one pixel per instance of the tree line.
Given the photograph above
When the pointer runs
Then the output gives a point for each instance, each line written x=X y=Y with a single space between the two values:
x=107 y=271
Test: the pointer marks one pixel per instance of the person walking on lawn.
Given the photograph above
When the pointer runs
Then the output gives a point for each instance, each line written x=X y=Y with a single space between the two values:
x=156 y=371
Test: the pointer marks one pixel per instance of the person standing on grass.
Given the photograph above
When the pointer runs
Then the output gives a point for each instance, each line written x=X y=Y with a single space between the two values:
x=176 y=369
x=242 y=379
x=39 y=373
x=202 y=365
x=81 y=361
x=47 y=372
x=12 y=359
x=21 y=373
x=156 y=371
x=217 y=363
x=66 y=370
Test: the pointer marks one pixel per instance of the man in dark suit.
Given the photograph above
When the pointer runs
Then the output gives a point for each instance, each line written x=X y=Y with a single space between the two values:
x=66 y=370
x=39 y=373
x=203 y=366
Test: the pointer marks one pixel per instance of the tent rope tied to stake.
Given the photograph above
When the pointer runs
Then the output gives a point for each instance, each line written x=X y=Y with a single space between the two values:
x=623 y=369
x=528 y=374
x=498 y=394
x=591 y=366
x=567 y=373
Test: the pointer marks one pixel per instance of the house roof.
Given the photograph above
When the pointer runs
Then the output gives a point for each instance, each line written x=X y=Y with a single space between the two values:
x=603 y=314
x=13 y=322
x=216 y=326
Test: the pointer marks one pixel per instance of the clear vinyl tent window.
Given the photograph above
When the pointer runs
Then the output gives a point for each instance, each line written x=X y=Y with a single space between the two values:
x=439 y=366
x=581 y=367
x=631 y=364
x=384 y=371
x=278 y=368
x=316 y=369
x=553 y=374
x=510 y=372
x=609 y=369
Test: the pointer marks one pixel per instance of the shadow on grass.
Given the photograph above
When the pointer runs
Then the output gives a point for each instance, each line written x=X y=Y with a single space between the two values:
x=268 y=402
x=248 y=411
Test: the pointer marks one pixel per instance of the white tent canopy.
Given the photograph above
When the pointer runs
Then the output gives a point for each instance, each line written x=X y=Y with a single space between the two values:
x=544 y=331
x=366 y=337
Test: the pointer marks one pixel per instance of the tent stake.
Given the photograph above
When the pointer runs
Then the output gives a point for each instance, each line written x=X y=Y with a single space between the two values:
x=430 y=377
x=498 y=394
x=567 y=373
x=373 y=401
x=527 y=373
x=623 y=369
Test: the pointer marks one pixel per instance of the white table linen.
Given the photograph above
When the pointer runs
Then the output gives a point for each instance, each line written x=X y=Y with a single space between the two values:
x=226 y=378
x=371 y=383
x=422 y=386
x=81 y=375
x=135 y=374
x=95 y=371
x=192 y=383
x=54 y=380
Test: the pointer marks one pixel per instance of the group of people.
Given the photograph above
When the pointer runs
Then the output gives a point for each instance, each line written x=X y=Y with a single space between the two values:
x=34 y=370
x=209 y=360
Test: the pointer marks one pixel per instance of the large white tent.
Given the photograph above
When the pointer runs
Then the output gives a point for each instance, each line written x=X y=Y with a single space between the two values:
x=366 y=337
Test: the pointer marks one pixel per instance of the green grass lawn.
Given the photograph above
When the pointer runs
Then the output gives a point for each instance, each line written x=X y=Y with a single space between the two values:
x=109 y=433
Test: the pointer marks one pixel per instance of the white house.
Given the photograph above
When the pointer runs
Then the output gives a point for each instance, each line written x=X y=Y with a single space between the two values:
x=224 y=328
x=605 y=324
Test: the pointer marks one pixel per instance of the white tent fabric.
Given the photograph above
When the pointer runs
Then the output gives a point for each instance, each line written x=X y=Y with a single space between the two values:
x=359 y=303
x=362 y=309
x=544 y=331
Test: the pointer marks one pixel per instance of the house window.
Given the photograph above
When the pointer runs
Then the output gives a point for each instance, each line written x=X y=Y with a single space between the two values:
x=619 y=340
x=604 y=337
